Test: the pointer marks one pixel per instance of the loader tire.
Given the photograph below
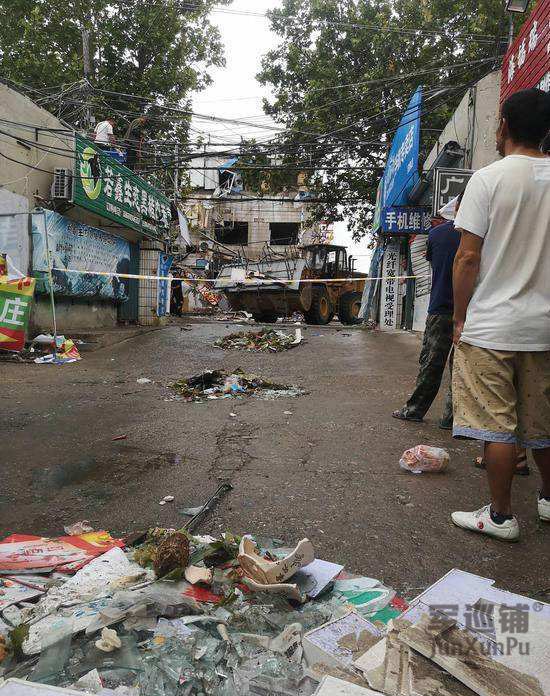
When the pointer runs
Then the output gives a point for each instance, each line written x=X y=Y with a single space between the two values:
x=265 y=318
x=350 y=304
x=321 y=310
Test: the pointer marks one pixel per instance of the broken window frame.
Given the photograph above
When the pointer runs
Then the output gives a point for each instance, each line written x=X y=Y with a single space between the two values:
x=232 y=232
x=290 y=232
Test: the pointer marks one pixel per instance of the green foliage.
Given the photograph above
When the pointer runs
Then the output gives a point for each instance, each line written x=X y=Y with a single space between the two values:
x=330 y=77
x=157 y=48
x=160 y=49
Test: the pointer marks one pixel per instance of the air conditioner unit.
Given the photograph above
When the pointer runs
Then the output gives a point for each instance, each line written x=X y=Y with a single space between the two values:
x=62 y=187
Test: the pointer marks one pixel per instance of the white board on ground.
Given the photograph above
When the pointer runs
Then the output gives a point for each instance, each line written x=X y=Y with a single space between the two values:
x=20 y=687
x=331 y=686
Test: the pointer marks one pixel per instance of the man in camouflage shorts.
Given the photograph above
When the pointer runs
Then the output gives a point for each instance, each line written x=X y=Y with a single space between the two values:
x=443 y=242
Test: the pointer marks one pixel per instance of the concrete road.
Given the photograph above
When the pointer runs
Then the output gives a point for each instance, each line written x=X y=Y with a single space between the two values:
x=329 y=471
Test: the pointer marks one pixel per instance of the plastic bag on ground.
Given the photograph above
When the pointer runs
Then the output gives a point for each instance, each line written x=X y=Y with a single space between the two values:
x=424 y=458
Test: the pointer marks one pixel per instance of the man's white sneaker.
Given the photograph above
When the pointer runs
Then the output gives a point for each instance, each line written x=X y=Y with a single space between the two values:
x=544 y=510
x=480 y=521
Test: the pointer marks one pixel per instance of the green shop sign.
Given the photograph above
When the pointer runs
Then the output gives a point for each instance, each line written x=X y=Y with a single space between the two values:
x=111 y=190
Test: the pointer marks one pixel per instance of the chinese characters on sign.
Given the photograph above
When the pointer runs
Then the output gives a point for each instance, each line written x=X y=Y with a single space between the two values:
x=163 y=286
x=16 y=297
x=401 y=172
x=449 y=183
x=79 y=247
x=389 y=290
x=403 y=220
x=527 y=63
x=111 y=190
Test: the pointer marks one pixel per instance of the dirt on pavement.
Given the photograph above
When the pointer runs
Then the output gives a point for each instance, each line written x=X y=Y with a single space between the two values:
x=328 y=471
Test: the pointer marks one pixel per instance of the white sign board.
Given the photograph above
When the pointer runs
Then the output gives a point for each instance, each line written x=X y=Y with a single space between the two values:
x=389 y=291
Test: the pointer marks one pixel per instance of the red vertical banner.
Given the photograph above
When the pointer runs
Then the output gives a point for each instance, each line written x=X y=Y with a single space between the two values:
x=527 y=61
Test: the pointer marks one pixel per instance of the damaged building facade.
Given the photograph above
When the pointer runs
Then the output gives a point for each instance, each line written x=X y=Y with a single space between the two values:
x=244 y=222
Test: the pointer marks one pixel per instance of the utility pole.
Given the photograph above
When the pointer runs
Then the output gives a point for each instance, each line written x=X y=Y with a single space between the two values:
x=176 y=171
x=86 y=53
x=87 y=64
x=510 y=29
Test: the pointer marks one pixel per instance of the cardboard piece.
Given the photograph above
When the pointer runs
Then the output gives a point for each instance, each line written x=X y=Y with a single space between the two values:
x=22 y=553
x=427 y=679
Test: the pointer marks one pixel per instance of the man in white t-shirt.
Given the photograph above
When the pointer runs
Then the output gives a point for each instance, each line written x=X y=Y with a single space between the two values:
x=104 y=133
x=501 y=282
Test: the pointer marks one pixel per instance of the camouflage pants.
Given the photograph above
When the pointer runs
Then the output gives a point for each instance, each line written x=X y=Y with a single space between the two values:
x=436 y=346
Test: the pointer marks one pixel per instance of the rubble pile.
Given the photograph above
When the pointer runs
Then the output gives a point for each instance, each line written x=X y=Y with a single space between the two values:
x=220 y=384
x=171 y=613
x=266 y=340
x=180 y=614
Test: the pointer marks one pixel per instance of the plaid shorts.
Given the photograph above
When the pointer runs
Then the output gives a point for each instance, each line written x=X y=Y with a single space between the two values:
x=502 y=396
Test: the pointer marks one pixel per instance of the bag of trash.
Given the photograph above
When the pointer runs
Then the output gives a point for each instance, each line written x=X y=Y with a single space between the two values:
x=424 y=458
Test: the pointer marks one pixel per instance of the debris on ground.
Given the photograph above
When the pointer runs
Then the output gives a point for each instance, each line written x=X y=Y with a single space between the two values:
x=456 y=638
x=220 y=384
x=143 y=380
x=240 y=317
x=176 y=615
x=197 y=513
x=188 y=615
x=22 y=553
x=265 y=340
x=77 y=528
x=65 y=352
x=424 y=458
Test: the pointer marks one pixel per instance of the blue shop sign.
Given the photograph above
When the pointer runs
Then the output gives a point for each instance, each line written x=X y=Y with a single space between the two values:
x=400 y=219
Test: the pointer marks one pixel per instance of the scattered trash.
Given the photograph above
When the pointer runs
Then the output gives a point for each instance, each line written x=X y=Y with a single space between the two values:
x=265 y=340
x=213 y=620
x=195 y=574
x=266 y=571
x=143 y=380
x=21 y=553
x=192 y=511
x=219 y=384
x=172 y=554
x=436 y=651
x=78 y=528
x=120 y=437
x=198 y=513
x=109 y=641
x=167 y=499
x=65 y=350
x=287 y=413
x=424 y=458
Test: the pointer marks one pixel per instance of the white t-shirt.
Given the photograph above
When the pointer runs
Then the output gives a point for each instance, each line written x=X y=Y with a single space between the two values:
x=102 y=132
x=508 y=205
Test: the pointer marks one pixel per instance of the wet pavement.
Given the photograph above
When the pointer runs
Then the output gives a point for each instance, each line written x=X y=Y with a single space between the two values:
x=329 y=470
